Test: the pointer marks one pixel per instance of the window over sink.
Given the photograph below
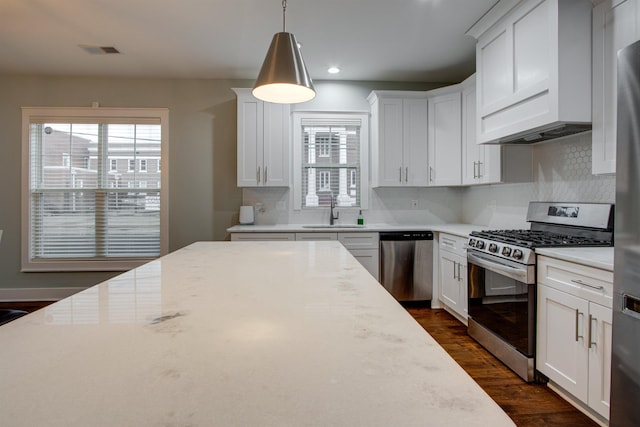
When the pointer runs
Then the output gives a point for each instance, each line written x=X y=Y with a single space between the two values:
x=330 y=159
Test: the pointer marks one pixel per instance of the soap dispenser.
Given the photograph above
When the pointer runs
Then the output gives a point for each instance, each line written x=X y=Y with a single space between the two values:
x=360 y=218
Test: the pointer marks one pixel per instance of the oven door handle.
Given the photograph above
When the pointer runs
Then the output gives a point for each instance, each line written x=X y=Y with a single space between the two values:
x=517 y=273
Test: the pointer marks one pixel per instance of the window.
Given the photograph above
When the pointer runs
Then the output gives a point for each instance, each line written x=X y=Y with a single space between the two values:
x=132 y=165
x=143 y=165
x=323 y=142
x=88 y=216
x=330 y=159
x=325 y=181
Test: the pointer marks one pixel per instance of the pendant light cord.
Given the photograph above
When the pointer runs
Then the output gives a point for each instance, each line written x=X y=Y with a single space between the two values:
x=284 y=9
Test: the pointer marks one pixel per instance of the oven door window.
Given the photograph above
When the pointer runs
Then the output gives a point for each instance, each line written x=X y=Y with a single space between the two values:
x=503 y=305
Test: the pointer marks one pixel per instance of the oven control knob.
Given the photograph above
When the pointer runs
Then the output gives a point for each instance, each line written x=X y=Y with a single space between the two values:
x=517 y=254
x=493 y=248
x=506 y=251
x=480 y=244
x=472 y=242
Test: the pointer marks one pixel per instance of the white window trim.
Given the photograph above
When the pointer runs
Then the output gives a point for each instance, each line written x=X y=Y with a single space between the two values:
x=297 y=152
x=62 y=113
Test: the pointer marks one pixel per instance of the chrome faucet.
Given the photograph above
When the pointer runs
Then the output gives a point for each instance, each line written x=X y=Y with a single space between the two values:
x=332 y=216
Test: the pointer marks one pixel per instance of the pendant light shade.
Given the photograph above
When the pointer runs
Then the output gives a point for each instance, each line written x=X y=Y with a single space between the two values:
x=283 y=77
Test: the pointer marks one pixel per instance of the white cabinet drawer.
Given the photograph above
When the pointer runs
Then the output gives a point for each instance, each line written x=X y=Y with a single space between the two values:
x=359 y=240
x=253 y=237
x=316 y=237
x=590 y=283
x=453 y=243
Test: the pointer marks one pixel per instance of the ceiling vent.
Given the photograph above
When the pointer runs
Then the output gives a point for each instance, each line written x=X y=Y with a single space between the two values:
x=100 y=50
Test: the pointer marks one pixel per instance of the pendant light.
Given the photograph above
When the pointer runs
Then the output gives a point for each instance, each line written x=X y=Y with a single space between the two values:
x=283 y=77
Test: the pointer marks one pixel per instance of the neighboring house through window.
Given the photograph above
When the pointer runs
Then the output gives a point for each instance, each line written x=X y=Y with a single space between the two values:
x=89 y=215
x=330 y=157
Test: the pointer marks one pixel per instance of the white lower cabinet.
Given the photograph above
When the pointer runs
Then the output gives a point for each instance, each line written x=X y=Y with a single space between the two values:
x=574 y=331
x=452 y=274
x=363 y=246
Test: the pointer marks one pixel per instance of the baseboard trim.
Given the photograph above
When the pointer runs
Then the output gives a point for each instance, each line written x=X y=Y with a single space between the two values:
x=580 y=406
x=36 y=294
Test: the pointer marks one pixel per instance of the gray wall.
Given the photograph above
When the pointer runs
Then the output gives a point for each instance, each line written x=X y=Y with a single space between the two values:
x=204 y=199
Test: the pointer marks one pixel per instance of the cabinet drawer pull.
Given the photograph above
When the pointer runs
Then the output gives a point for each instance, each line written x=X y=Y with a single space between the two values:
x=580 y=282
x=591 y=319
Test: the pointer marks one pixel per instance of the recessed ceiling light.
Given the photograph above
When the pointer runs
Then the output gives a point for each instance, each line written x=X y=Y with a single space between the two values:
x=333 y=70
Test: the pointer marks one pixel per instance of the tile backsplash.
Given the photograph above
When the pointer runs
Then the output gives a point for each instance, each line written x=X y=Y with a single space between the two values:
x=561 y=172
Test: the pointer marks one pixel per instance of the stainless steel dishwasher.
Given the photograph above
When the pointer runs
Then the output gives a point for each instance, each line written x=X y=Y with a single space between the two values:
x=406 y=264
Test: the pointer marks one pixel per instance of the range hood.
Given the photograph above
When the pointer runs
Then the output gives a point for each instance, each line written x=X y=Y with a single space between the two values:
x=543 y=134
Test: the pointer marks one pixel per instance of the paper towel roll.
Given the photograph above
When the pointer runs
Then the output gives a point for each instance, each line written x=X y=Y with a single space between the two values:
x=246 y=215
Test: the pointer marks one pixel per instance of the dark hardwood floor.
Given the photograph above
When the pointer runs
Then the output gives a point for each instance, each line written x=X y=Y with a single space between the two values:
x=526 y=404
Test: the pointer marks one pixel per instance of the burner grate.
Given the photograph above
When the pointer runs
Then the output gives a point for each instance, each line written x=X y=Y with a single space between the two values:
x=539 y=238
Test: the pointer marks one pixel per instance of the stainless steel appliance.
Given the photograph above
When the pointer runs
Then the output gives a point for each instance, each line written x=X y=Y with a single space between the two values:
x=502 y=275
x=406 y=264
x=625 y=359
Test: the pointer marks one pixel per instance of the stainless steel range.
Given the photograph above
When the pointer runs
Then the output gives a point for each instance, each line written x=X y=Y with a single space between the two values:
x=502 y=275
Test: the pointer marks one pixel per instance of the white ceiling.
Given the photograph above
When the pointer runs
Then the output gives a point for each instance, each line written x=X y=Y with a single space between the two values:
x=385 y=40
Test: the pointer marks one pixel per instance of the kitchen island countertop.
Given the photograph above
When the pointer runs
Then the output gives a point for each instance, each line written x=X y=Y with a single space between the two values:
x=235 y=334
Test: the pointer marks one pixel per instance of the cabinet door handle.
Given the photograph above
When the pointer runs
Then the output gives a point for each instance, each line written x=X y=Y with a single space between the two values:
x=580 y=282
x=578 y=336
x=459 y=265
x=406 y=174
x=480 y=169
x=258 y=175
x=591 y=319
x=265 y=174
x=430 y=173
x=475 y=174
x=454 y=270
x=400 y=171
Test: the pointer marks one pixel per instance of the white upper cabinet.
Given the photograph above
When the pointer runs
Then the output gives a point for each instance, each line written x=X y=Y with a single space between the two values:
x=399 y=138
x=445 y=136
x=263 y=142
x=615 y=25
x=480 y=163
x=533 y=63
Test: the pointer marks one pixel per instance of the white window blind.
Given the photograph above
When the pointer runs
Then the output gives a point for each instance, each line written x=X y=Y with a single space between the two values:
x=92 y=211
x=330 y=161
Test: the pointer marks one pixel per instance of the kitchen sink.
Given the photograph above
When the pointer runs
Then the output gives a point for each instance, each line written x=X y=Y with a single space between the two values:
x=333 y=226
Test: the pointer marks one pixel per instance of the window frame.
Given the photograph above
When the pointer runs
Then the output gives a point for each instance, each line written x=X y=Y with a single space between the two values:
x=298 y=141
x=105 y=115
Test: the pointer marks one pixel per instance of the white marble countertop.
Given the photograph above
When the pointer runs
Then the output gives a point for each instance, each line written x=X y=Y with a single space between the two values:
x=593 y=257
x=457 y=229
x=235 y=334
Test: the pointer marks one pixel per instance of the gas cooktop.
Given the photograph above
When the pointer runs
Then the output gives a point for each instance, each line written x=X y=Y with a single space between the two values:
x=552 y=225
x=539 y=238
